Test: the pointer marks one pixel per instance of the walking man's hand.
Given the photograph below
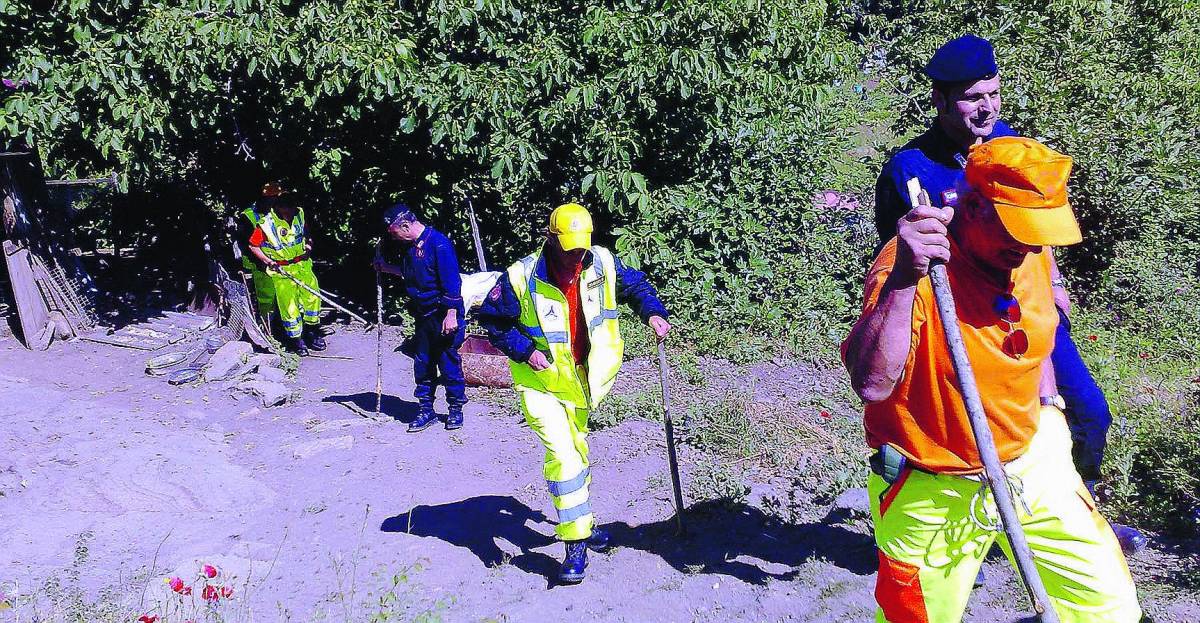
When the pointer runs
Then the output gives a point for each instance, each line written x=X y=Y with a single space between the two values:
x=538 y=361
x=922 y=238
x=450 y=324
x=660 y=325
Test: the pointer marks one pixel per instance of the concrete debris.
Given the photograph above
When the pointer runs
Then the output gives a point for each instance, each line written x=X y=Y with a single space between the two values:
x=265 y=360
x=274 y=375
x=227 y=360
x=269 y=393
x=315 y=447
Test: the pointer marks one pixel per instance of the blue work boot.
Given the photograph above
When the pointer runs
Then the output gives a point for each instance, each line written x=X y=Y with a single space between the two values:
x=600 y=540
x=575 y=563
x=296 y=345
x=1131 y=539
x=454 y=419
x=312 y=337
x=425 y=418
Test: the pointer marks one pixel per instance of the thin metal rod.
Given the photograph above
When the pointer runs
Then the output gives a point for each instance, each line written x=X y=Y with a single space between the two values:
x=321 y=296
x=87 y=181
x=672 y=461
x=378 y=331
x=475 y=236
x=993 y=469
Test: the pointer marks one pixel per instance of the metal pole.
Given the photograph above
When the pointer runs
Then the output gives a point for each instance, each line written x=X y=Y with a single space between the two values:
x=322 y=297
x=670 y=428
x=993 y=470
x=378 y=330
x=475 y=236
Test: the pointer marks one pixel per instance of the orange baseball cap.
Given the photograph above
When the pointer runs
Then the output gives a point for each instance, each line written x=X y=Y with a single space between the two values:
x=1027 y=182
x=273 y=189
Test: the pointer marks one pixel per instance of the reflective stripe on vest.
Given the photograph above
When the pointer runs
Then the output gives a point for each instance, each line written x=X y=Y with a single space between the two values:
x=545 y=319
x=284 y=241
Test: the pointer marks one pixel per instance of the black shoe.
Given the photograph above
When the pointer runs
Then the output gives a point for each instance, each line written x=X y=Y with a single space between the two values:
x=575 y=563
x=296 y=345
x=312 y=337
x=454 y=420
x=424 y=420
x=600 y=540
x=1131 y=539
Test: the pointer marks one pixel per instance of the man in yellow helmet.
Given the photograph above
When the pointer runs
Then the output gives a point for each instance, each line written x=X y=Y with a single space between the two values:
x=554 y=313
x=281 y=244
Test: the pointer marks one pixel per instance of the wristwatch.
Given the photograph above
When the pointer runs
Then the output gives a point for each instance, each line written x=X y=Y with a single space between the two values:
x=1054 y=401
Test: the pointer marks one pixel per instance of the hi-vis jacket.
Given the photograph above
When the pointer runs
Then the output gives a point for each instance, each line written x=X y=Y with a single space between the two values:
x=526 y=312
x=284 y=242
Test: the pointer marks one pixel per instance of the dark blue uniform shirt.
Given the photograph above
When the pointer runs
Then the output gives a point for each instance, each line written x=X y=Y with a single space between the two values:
x=429 y=267
x=501 y=310
x=934 y=159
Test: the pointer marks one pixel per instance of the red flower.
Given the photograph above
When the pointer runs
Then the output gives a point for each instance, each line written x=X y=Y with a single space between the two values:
x=209 y=571
x=1144 y=356
x=211 y=593
x=176 y=584
x=226 y=592
x=148 y=618
x=1093 y=338
x=826 y=415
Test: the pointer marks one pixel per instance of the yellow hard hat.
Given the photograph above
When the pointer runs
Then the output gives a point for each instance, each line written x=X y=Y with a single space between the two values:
x=572 y=224
x=272 y=189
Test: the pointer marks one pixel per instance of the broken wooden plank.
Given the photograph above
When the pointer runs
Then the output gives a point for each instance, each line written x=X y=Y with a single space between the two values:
x=32 y=309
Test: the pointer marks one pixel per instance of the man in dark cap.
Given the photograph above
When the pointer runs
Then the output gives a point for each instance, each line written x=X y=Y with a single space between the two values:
x=429 y=267
x=966 y=95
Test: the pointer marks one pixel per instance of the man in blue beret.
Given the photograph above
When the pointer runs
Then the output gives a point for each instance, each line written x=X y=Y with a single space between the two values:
x=433 y=288
x=966 y=96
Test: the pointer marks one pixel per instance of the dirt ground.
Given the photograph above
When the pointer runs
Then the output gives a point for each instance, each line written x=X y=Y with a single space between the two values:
x=113 y=481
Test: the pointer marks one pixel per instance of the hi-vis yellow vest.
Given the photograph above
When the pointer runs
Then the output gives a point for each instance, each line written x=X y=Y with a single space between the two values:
x=247 y=261
x=544 y=318
x=284 y=241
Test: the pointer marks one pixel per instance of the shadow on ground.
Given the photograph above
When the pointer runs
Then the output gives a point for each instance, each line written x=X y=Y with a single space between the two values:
x=391 y=406
x=736 y=540
x=477 y=524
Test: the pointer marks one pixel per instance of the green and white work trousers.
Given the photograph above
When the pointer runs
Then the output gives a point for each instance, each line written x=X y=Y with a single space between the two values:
x=562 y=429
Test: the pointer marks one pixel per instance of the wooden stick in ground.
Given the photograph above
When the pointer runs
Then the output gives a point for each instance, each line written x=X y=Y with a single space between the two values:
x=475 y=236
x=993 y=469
x=378 y=331
x=672 y=462
x=323 y=298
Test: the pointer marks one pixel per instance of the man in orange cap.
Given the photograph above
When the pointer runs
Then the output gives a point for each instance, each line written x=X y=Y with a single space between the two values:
x=934 y=520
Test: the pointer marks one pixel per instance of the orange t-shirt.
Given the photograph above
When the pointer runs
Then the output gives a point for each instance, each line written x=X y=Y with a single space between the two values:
x=925 y=417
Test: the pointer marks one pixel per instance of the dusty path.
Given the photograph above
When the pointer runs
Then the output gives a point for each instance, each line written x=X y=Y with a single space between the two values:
x=149 y=480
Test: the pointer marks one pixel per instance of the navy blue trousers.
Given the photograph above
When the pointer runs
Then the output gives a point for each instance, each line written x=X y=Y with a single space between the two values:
x=436 y=360
x=1087 y=414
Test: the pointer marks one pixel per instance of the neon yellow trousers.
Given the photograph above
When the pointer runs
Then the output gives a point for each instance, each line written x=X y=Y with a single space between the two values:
x=264 y=290
x=562 y=429
x=931 y=532
x=297 y=306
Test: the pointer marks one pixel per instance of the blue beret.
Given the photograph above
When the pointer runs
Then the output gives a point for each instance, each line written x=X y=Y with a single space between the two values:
x=398 y=211
x=965 y=59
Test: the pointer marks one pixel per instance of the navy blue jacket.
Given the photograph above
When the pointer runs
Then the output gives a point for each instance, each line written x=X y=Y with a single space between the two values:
x=501 y=311
x=934 y=159
x=429 y=268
